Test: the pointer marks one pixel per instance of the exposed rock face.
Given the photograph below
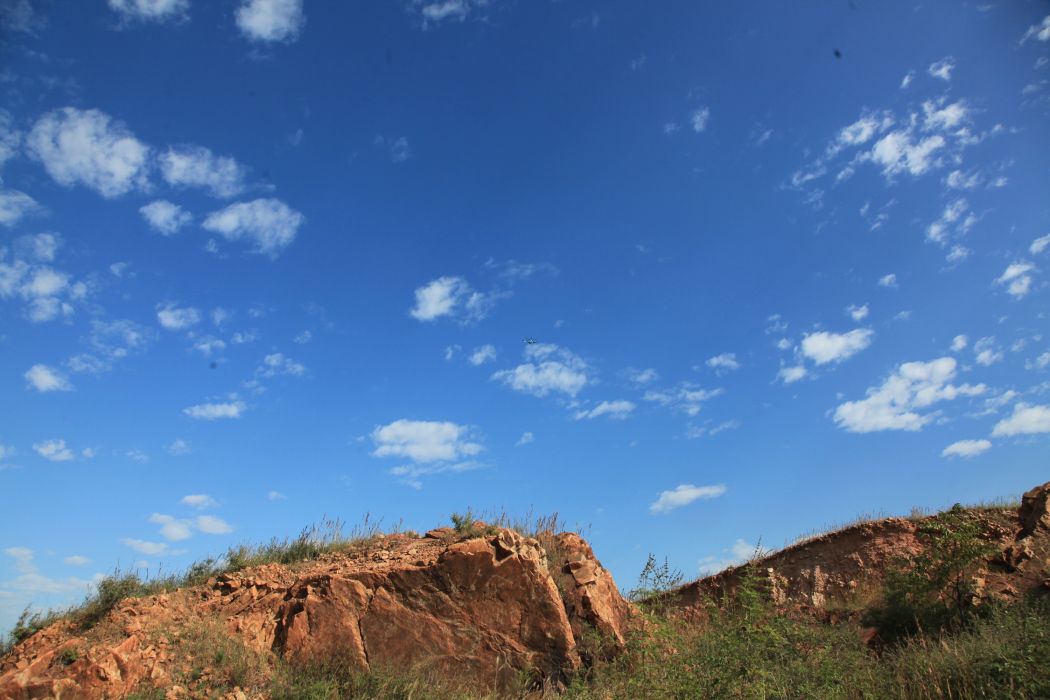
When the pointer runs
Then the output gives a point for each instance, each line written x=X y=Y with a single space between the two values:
x=849 y=565
x=589 y=592
x=485 y=608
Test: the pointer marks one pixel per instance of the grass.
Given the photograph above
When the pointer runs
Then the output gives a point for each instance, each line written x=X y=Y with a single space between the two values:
x=312 y=542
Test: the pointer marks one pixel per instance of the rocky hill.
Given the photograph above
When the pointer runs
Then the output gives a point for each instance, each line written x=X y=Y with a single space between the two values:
x=486 y=606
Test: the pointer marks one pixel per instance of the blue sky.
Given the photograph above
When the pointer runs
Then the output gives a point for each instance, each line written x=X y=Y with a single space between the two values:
x=267 y=260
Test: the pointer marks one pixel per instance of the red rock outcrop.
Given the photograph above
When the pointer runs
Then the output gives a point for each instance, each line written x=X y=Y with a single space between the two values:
x=485 y=608
x=849 y=565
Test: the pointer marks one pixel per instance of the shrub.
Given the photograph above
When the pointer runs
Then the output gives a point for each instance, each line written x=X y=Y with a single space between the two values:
x=933 y=591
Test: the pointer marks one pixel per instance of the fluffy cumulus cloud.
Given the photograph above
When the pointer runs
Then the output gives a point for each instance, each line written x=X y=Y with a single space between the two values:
x=196 y=166
x=437 y=11
x=525 y=439
x=269 y=224
x=45 y=379
x=966 y=448
x=199 y=501
x=1039 y=32
x=150 y=10
x=685 y=397
x=889 y=281
x=164 y=217
x=951 y=222
x=1026 y=420
x=15 y=205
x=896 y=404
x=1039 y=245
x=174 y=318
x=548 y=369
x=726 y=362
x=699 y=118
x=942 y=69
x=683 y=495
x=48 y=293
x=277 y=364
x=423 y=441
x=451 y=297
x=1017 y=278
x=790 y=375
x=618 y=410
x=216 y=411
x=483 y=354
x=271 y=20
x=987 y=352
x=959 y=343
x=89 y=148
x=54 y=450
x=824 y=347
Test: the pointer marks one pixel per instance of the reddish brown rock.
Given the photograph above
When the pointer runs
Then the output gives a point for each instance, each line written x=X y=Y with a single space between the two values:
x=1035 y=510
x=484 y=609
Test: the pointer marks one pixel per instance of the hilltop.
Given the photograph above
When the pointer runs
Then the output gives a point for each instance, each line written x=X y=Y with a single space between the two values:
x=486 y=611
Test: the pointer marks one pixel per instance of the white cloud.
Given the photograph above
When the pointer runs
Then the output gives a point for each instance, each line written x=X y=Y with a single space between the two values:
x=199 y=501
x=942 y=69
x=398 y=149
x=275 y=496
x=271 y=20
x=89 y=148
x=483 y=354
x=437 y=11
x=77 y=560
x=857 y=313
x=725 y=362
x=207 y=345
x=277 y=364
x=171 y=528
x=424 y=441
x=1041 y=362
x=824 y=347
x=174 y=318
x=216 y=411
x=1017 y=278
x=137 y=455
x=686 y=397
x=145 y=546
x=151 y=10
x=54 y=450
x=740 y=552
x=940 y=230
x=44 y=378
x=987 y=352
x=211 y=525
x=790 y=375
x=14 y=205
x=958 y=180
x=268 y=223
x=699 y=119
x=895 y=404
x=1039 y=31
x=165 y=217
x=906 y=80
x=641 y=377
x=618 y=410
x=178 y=447
x=551 y=369
x=450 y=296
x=303 y=338
x=966 y=448
x=889 y=281
x=1026 y=420
x=683 y=495
x=40 y=247
x=898 y=152
x=525 y=439
x=1039 y=245
x=957 y=254
x=196 y=166
x=940 y=117
x=959 y=342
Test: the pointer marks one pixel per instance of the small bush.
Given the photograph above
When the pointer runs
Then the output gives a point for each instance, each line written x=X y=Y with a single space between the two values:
x=933 y=591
